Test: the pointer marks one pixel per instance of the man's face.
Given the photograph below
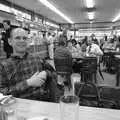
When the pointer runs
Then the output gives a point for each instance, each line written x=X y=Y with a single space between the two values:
x=90 y=40
x=19 y=40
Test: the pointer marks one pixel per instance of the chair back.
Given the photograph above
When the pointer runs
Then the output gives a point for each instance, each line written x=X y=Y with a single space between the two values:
x=89 y=64
x=64 y=69
x=89 y=95
x=63 y=65
x=98 y=96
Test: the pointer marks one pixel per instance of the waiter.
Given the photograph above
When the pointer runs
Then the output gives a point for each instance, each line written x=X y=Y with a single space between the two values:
x=5 y=36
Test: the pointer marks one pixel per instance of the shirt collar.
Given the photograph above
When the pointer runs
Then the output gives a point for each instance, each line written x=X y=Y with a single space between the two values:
x=20 y=58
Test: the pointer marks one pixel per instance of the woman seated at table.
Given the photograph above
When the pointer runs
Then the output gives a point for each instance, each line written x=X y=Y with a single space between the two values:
x=84 y=46
x=72 y=48
x=93 y=50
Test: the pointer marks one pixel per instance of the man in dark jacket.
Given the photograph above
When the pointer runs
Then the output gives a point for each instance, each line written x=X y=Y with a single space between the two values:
x=5 y=36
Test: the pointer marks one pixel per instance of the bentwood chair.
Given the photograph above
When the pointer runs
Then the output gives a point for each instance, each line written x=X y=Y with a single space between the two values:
x=64 y=69
x=98 y=96
x=88 y=69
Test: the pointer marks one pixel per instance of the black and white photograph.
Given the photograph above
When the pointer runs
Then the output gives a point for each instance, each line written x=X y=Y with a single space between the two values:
x=59 y=59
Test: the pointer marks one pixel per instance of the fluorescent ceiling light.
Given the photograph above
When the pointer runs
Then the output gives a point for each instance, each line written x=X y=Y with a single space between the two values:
x=116 y=18
x=90 y=15
x=54 y=9
x=89 y=3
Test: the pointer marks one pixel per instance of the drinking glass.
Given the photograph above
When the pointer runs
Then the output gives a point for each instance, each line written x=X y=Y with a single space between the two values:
x=3 y=114
x=69 y=107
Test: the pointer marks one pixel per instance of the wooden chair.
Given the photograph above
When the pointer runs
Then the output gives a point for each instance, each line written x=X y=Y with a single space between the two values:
x=89 y=95
x=98 y=96
x=88 y=69
x=64 y=68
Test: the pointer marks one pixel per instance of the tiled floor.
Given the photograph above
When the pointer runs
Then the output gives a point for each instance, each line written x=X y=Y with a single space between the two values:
x=109 y=79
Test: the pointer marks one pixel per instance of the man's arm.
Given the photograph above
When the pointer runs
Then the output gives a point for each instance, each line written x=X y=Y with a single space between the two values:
x=37 y=80
x=6 y=86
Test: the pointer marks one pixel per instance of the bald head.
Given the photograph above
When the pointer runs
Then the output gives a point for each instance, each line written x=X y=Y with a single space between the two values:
x=18 y=31
x=19 y=40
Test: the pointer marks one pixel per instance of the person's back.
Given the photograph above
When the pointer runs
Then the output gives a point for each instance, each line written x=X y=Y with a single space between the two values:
x=63 y=61
x=62 y=51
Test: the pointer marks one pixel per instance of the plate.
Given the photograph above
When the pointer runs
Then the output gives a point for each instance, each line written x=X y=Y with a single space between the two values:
x=118 y=56
x=2 y=96
x=41 y=118
x=8 y=101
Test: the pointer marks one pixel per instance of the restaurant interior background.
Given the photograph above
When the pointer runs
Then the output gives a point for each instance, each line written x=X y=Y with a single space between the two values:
x=39 y=19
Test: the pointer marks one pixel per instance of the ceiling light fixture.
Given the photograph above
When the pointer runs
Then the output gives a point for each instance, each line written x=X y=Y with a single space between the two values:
x=54 y=9
x=116 y=18
x=90 y=15
x=89 y=3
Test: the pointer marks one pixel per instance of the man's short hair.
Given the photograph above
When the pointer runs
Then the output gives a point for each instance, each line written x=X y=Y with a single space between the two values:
x=15 y=29
x=7 y=21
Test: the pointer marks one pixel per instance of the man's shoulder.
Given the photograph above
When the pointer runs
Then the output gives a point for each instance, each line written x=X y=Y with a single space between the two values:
x=34 y=57
x=8 y=63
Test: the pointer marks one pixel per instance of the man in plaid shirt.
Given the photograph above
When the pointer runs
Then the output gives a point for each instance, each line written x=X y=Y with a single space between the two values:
x=22 y=75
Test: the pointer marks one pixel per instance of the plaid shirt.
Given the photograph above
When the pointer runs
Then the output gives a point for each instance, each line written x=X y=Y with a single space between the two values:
x=15 y=71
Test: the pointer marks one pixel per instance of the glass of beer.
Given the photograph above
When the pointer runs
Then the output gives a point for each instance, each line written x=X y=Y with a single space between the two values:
x=69 y=107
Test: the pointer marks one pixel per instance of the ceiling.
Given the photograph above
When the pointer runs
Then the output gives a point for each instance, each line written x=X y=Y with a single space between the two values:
x=105 y=10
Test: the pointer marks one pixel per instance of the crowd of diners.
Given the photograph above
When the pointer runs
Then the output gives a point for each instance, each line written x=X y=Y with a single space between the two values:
x=97 y=46
x=89 y=46
x=26 y=75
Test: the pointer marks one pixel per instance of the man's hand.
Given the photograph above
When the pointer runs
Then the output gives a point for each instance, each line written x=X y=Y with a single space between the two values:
x=37 y=79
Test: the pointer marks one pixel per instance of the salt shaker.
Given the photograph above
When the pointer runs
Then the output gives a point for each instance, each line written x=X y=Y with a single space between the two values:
x=3 y=113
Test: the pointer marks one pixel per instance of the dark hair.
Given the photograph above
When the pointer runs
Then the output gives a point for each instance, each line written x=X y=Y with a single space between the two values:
x=62 y=40
x=119 y=38
x=7 y=21
x=74 y=41
x=95 y=41
x=1 y=25
x=44 y=34
x=26 y=29
x=84 y=41
x=112 y=40
x=49 y=33
x=105 y=38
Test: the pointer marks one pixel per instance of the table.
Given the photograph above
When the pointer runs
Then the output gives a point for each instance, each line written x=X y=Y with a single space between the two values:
x=117 y=56
x=112 y=52
x=37 y=108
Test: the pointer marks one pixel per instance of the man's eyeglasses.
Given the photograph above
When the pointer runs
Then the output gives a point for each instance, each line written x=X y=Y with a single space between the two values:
x=19 y=38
